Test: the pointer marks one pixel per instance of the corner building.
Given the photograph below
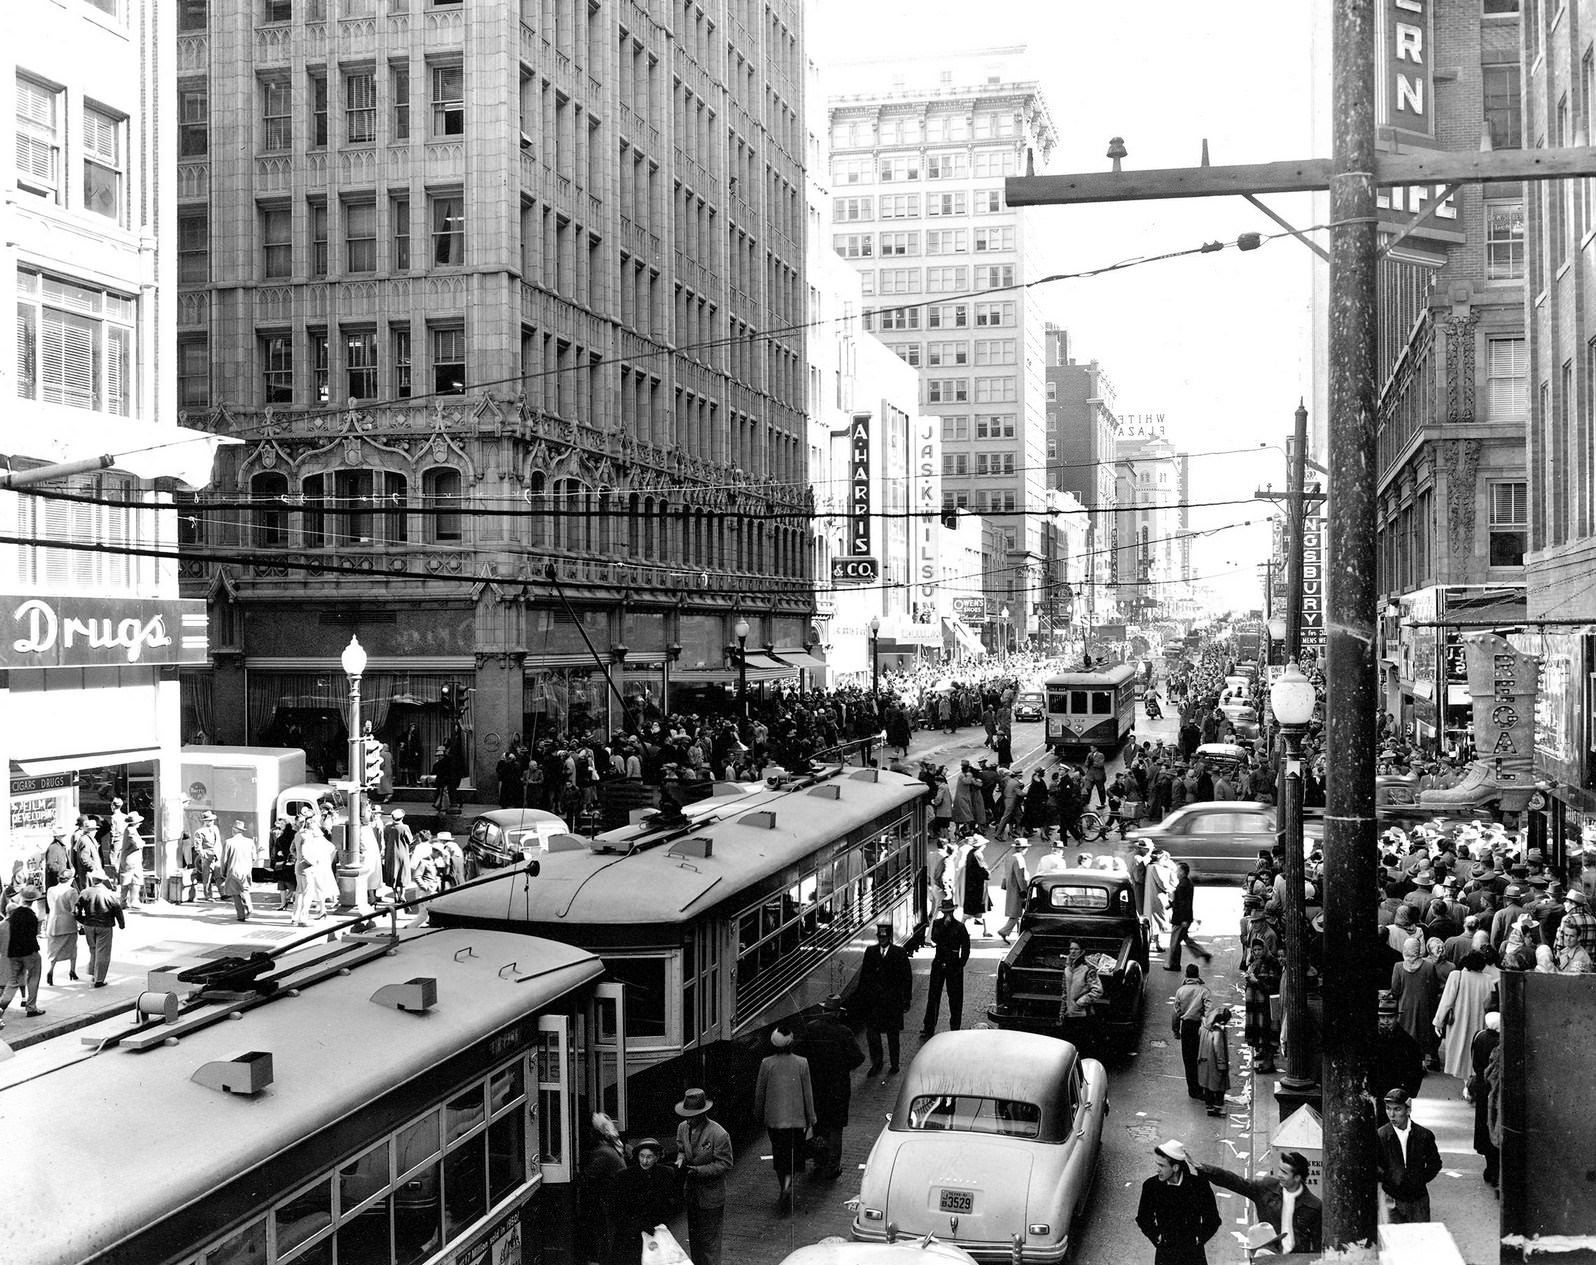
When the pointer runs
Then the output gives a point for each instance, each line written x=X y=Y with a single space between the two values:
x=486 y=289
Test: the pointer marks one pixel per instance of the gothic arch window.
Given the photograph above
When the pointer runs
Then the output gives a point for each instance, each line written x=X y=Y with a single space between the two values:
x=268 y=524
x=440 y=491
x=537 y=522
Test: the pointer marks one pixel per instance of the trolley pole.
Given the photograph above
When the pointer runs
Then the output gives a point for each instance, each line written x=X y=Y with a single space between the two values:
x=1350 y=984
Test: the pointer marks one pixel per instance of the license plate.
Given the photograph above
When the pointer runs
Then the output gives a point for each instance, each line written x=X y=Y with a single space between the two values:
x=958 y=1201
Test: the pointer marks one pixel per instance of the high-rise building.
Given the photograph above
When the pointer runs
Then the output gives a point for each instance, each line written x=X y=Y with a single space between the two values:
x=93 y=629
x=1082 y=432
x=918 y=159
x=507 y=303
x=1151 y=544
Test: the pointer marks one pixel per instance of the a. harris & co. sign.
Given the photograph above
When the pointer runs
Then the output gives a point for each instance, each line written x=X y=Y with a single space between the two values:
x=55 y=631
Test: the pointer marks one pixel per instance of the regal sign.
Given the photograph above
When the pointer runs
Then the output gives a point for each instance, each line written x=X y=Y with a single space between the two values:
x=51 y=631
x=1504 y=682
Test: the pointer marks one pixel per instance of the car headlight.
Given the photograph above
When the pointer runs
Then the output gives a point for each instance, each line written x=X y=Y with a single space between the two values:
x=1039 y=1228
x=872 y=1214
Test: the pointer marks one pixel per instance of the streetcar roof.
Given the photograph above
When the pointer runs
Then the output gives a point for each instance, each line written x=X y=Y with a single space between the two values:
x=674 y=881
x=87 y=1186
x=1115 y=675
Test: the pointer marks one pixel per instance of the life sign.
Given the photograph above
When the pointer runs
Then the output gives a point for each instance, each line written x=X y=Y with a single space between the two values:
x=859 y=485
x=52 y=631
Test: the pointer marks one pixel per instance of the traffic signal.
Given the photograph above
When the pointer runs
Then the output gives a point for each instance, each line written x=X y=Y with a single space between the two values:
x=372 y=763
x=950 y=518
x=446 y=697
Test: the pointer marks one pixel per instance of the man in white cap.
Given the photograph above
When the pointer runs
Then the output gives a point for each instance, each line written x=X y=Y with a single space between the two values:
x=784 y=1101
x=1177 y=1213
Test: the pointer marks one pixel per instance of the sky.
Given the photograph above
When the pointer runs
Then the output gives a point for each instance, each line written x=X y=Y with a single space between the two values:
x=1220 y=343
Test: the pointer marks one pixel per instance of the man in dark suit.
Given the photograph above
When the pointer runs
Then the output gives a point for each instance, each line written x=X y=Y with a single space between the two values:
x=1181 y=919
x=1409 y=1161
x=952 y=944
x=1177 y=1211
x=882 y=996
x=1302 y=1229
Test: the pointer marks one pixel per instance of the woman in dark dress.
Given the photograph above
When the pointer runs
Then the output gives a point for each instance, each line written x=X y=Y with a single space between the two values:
x=1036 y=802
x=1480 y=1049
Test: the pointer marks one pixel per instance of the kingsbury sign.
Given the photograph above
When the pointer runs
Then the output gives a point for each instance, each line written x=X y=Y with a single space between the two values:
x=54 y=631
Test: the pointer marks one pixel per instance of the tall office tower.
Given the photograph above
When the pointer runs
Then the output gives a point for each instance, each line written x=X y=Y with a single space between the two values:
x=489 y=290
x=93 y=629
x=917 y=170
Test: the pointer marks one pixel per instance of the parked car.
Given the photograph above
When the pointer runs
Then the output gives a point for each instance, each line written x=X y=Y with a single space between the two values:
x=1029 y=705
x=505 y=836
x=920 y=1251
x=1098 y=910
x=994 y=1135
x=1220 y=838
x=1243 y=719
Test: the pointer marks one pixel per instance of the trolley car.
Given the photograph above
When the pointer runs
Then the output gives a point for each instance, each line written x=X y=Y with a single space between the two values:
x=1094 y=708
x=722 y=925
x=382 y=1101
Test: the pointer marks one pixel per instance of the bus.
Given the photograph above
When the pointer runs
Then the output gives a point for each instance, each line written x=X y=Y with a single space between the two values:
x=381 y=1100
x=1094 y=708
x=749 y=909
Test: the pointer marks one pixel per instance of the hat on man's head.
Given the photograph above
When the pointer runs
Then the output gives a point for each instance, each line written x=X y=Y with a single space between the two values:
x=1539 y=880
x=1513 y=892
x=884 y=924
x=1397 y=1097
x=134 y=819
x=695 y=1102
x=207 y=815
x=1388 y=1004
x=29 y=893
x=946 y=906
x=398 y=814
x=443 y=836
x=780 y=1038
x=1174 y=1151
x=1577 y=896
x=58 y=832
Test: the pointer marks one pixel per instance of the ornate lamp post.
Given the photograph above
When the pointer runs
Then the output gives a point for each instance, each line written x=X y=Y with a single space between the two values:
x=875 y=663
x=1292 y=698
x=673 y=652
x=1003 y=632
x=353 y=661
x=740 y=631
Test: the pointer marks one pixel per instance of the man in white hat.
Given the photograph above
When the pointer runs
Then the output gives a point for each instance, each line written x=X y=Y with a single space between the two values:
x=703 y=1158
x=205 y=850
x=1177 y=1213
x=784 y=1100
x=237 y=869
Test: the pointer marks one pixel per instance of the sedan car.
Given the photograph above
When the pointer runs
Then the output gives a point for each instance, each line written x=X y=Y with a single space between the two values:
x=994 y=1135
x=1243 y=720
x=505 y=836
x=1029 y=705
x=1220 y=838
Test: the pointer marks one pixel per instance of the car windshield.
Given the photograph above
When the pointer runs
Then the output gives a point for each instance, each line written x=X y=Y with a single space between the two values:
x=967 y=1113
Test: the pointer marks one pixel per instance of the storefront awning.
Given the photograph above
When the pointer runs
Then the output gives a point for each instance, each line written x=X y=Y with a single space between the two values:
x=761 y=663
x=967 y=639
x=800 y=659
x=88 y=760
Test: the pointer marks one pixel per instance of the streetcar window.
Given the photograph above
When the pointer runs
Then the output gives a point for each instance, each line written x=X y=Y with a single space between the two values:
x=1078 y=702
x=1057 y=701
x=464 y=1114
x=646 y=991
x=505 y=1087
x=247 y=1247
x=465 y=1192
x=306 y=1214
x=506 y=1155
x=1102 y=703
x=365 y=1239
x=362 y=1178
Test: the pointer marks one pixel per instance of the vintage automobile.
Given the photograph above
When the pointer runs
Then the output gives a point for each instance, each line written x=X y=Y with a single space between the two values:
x=992 y=1146
x=1220 y=838
x=927 y=1249
x=1029 y=705
x=505 y=836
x=1098 y=910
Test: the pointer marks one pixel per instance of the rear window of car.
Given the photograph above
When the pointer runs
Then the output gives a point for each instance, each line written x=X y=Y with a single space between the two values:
x=1065 y=897
x=966 y=1113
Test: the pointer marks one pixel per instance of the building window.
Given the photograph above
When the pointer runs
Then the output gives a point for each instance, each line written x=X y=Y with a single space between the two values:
x=277 y=241
x=399 y=345
x=994 y=276
x=1504 y=111
x=900 y=244
x=448 y=101
x=38 y=138
x=954 y=353
x=320 y=363
x=448 y=229
x=339 y=508
x=1507 y=377
x=360 y=107
x=991 y=239
x=1509 y=523
x=448 y=360
x=995 y=351
x=360 y=363
x=994 y=313
x=947 y=390
x=276 y=115
x=277 y=10
x=846 y=209
x=318 y=239
x=1052 y=390
x=440 y=490
x=994 y=389
x=900 y=281
x=318 y=109
x=269 y=492
x=277 y=367
x=401 y=234
x=193 y=122
x=74 y=344
x=1504 y=240
x=948 y=316
x=102 y=162
x=994 y=425
x=193 y=371
x=956 y=426
x=193 y=247
x=945 y=204
x=399 y=71
x=853 y=245
x=192 y=15
x=360 y=237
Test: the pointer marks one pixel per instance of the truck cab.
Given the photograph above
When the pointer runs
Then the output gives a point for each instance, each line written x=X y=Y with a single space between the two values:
x=1099 y=910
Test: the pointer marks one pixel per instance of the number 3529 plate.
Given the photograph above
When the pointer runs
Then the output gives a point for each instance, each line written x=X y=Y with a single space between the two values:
x=957 y=1201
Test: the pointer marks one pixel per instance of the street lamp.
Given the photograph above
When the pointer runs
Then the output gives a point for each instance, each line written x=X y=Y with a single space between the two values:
x=875 y=663
x=353 y=660
x=740 y=631
x=1292 y=698
x=673 y=652
x=1003 y=632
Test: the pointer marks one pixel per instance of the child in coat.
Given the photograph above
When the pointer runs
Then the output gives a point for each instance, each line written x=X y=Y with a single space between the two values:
x=1213 y=1059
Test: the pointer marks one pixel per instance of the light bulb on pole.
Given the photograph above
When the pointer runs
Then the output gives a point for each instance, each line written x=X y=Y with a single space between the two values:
x=875 y=662
x=350 y=861
x=1292 y=699
x=740 y=631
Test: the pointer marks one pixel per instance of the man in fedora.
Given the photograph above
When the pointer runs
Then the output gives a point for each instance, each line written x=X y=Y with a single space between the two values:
x=703 y=1158
x=1294 y=1213
x=1577 y=930
x=882 y=995
x=237 y=868
x=1409 y=1161
x=1011 y=876
x=205 y=850
x=951 y=943
x=1177 y=1212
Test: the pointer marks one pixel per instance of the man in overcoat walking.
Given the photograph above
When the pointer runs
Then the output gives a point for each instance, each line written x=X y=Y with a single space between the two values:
x=833 y=1053
x=883 y=994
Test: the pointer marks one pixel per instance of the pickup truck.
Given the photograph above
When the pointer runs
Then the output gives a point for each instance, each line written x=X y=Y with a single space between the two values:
x=1097 y=908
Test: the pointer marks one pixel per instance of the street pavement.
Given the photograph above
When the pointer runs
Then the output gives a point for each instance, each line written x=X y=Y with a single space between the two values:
x=1146 y=1091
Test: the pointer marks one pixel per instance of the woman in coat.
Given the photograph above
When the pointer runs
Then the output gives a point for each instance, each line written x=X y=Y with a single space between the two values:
x=1461 y=1013
x=1416 y=985
x=61 y=929
x=972 y=883
x=1213 y=1059
x=130 y=863
x=1479 y=1091
x=1263 y=983
x=969 y=804
x=1035 y=813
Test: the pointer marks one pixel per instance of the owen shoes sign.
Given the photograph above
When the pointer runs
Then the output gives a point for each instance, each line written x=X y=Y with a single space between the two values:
x=51 y=631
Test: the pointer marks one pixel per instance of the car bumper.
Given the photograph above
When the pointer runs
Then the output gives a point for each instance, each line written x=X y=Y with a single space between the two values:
x=994 y=1250
x=1012 y=1020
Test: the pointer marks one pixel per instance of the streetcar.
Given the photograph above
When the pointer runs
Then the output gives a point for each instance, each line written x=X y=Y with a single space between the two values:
x=1093 y=708
x=749 y=910
x=381 y=1100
